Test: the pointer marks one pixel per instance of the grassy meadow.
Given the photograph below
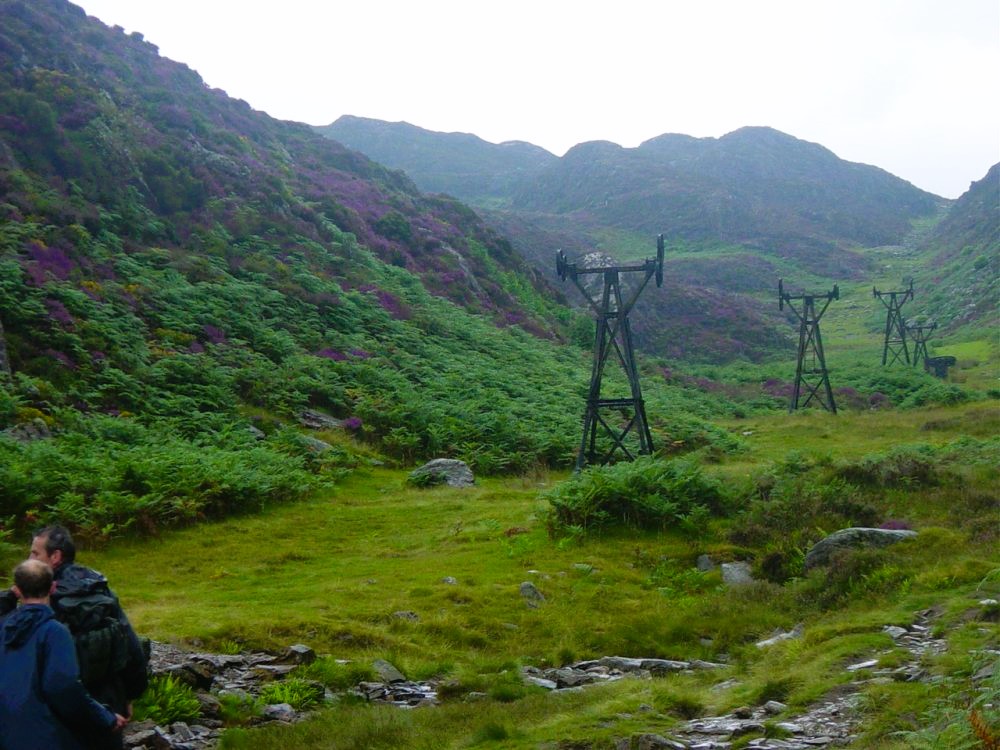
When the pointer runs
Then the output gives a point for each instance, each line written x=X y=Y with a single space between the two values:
x=334 y=571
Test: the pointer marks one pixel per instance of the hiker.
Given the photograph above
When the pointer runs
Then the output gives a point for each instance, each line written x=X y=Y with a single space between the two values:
x=43 y=704
x=111 y=658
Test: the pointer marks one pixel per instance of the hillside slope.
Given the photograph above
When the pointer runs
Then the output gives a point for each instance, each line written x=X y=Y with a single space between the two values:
x=964 y=270
x=459 y=164
x=738 y=212
x=173 y=264
x=124 y=140
x=755 y=187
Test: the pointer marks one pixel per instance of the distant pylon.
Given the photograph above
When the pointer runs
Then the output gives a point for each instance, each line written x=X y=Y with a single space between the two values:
x=895 y=328
x=810 y=376
x=613 y=334
x=920 y=334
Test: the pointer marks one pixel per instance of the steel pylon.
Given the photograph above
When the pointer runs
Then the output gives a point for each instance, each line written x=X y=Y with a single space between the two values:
x=812 y=379
x=613 y=335
x=895 y=327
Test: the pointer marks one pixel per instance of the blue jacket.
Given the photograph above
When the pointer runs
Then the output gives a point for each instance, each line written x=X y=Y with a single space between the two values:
x=43 y=705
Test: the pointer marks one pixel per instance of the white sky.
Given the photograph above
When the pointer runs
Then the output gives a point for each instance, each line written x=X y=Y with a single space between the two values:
x=911 y=86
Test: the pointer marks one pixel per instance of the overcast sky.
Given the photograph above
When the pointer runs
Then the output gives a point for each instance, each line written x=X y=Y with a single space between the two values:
x=911 y=86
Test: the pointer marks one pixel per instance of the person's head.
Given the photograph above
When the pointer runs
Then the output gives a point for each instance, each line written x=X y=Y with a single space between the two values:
x=33 y=581
x=54 y=546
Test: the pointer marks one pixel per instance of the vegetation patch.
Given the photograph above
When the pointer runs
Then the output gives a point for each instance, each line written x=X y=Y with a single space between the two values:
x=643 y=494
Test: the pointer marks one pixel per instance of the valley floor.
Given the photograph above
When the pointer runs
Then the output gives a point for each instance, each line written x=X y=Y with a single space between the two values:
x=432 y=581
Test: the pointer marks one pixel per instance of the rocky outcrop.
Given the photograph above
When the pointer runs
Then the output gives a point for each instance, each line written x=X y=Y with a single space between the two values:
x=854 y=538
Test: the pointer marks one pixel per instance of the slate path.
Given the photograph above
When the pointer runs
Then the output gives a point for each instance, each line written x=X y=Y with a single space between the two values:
x=831 y=722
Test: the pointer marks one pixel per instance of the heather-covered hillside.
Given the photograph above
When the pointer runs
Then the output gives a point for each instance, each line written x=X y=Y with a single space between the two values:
x=459 y=164
x=738 y=213
x=101 y=132
x=181 y=277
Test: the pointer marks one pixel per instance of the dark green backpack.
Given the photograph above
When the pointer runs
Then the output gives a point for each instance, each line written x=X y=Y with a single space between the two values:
x=100 y=638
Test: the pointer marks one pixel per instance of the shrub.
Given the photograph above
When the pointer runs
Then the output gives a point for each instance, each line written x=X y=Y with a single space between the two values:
x=647 y=494
x=853 y=574
x=903 y=466
x=236 y=709
x=167 y=700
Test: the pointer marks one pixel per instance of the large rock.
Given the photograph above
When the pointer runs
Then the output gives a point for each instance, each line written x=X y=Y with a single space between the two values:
x=443 y=471
x=854 y=538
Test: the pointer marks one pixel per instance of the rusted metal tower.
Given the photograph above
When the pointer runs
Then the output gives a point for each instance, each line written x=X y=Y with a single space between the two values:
x=895 y=328
x=611 y=308
x=919 y=334
x=811 y=376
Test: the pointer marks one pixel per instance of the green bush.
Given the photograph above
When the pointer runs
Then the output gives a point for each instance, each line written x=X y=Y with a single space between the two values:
x=112 y=473
x=167 y=700
x=646 y=493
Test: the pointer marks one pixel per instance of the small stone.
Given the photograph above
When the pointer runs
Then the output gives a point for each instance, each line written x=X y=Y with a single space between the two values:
x=140 y=738
x=406 y=615
x=652 y=741
x=863 y=665
x=779 y=636
x=451 y=581
x=541 y=682
x=531 y=594
x=773 y=708
x=197 y=676
x=736 y=574
x=985 y=673
x=300 y=654
x=894 y=631
x=743 y=712
x=279 y=712
x=748 y=727
x=387 y=672
x=181 y=731
x=210 y=705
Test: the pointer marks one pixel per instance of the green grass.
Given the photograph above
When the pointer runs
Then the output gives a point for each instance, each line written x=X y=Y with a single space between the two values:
x=333 y=570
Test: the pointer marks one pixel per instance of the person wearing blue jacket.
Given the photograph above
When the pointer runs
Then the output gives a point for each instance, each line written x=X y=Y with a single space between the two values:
x=43 y=704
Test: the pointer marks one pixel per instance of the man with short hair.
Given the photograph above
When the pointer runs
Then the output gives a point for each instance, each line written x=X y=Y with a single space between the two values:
x=42 y=701
x=111 y=657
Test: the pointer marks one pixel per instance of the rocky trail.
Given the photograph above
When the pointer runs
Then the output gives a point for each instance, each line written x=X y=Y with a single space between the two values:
x=831 y=722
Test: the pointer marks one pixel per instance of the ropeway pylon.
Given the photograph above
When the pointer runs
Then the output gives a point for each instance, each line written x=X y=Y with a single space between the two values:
x=613 y=334
x=811 y=377
x=920 y=334
x=895 y=328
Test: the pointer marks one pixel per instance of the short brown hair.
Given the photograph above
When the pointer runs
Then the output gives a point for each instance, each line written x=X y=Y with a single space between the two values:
x=34 y=579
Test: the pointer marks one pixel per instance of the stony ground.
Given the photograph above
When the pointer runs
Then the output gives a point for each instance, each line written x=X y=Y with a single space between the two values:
x=830 y=722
